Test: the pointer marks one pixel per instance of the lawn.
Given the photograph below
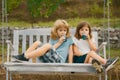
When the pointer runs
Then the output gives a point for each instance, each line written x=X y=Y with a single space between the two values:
x=95 y=22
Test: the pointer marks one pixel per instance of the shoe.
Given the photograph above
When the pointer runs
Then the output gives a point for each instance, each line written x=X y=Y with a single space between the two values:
x=20 y=57
x=110 y=63
x=97 y=65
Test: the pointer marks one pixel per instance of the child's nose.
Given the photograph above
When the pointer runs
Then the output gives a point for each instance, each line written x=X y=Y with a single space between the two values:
x=63 y=32
x=83 y=31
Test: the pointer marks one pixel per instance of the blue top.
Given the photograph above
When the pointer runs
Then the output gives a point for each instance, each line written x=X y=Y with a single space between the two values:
x=63 y=49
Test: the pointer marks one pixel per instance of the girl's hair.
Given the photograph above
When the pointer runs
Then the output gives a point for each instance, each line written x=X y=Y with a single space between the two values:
x=81 y=25
x=59 y=24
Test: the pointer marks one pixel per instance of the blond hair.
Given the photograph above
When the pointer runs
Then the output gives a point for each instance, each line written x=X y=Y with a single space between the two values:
x=59 y=24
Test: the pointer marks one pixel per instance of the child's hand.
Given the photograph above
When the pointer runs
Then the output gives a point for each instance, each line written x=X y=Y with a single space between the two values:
x=88 y=37
x=61 y=40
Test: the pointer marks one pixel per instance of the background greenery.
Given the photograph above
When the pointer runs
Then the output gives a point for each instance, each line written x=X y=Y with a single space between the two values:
x=32 y=13
x=43 y=13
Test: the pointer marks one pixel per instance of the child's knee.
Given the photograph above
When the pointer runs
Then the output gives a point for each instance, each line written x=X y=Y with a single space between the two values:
x=37 y=42
x=48 y=45
x=91 y=52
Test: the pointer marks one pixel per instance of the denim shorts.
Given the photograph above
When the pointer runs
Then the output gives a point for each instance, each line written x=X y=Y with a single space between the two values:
x=79 y=59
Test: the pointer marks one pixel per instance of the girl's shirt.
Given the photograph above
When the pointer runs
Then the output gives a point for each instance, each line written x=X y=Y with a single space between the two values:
x=63 y=49
x=83 y=45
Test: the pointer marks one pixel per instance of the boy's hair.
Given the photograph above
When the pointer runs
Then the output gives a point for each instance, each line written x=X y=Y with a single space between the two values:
x=81 y=25
x=59 y=24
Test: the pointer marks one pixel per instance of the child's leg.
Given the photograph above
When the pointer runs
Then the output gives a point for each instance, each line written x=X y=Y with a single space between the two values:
x=95 y=56
x=38 y=52
x=90 y=60
x=33 y=47
x=87 y=59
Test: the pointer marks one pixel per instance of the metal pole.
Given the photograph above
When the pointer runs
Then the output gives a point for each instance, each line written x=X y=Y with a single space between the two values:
x=6 y=19
x=3 y=20
x=108 y=29
x=105 y=73
x=103 y=33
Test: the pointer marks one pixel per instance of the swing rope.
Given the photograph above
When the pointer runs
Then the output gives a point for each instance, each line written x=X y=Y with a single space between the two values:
x=4 y=24
x=3 y=20
x=106 y=5
x=108 y=9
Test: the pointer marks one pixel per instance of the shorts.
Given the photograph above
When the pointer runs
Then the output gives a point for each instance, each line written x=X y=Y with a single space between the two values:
x=44 y=58
x=50 y=57
x=79 y=59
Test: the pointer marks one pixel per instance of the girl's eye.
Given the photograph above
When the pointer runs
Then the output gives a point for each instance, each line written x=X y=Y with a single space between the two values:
x=81 y=29
x=60 y=30
x=86 y=30
x=65 y=30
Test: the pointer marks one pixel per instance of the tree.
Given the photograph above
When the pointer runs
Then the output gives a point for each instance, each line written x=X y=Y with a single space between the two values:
x=43 y=7
x=36 y=8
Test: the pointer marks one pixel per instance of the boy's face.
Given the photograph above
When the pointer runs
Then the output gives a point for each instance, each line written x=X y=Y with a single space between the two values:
x=84 y=30
x=61 y=31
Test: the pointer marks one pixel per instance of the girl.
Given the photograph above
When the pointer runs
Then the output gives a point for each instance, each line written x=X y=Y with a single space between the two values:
x=60 y=41
x=85 y=48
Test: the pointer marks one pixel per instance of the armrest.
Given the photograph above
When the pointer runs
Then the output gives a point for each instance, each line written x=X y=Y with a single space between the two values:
x=9 y=48
x=10 y=44
x=102 y=46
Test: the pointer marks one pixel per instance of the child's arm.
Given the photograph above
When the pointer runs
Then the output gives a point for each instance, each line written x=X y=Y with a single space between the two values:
x=61 y=40
x=70 y=56
x=92 y=45
x=76 y=51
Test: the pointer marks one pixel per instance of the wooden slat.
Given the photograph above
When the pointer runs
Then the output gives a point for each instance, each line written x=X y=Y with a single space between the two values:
x=50 y=67
x=23 y=43
x=16 y=42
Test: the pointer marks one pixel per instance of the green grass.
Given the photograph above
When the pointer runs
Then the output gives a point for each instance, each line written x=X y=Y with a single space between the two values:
x=114 y=52
x=95 y=22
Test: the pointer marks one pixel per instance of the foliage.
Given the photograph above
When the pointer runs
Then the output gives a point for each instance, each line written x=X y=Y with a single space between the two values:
x=43 y=7
x=12 y=4
x=36 y=7
x=96 y=10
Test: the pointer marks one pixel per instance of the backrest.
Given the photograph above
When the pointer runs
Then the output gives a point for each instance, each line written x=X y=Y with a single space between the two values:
x=22 y=39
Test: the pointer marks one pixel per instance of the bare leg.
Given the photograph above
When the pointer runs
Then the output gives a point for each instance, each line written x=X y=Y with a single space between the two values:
x=90 y=60
x=95 y=56
x=87 y=58
x=33 y=47
x=38 y=52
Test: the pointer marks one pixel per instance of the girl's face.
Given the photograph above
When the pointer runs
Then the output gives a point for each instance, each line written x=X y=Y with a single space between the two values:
x=84 y=30
x=61 y=31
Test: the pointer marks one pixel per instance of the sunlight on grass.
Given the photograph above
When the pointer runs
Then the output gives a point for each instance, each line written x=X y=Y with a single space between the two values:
x=95 y=22
x=114 y=52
